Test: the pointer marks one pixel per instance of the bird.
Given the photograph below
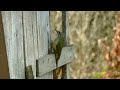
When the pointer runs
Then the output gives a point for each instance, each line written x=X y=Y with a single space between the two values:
x=57 y=46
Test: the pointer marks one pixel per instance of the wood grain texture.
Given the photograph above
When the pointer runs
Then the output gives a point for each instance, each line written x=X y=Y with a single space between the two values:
x=48 y=75
x=65 y=30
x=46 y=64
x=12 y=22
x=29 y=22
x=43 y=37
x=4 y=70
x=27 y=38
x=67 y=56
x=67 y=43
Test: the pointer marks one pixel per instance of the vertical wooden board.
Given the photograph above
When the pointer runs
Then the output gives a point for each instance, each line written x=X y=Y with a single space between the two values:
x=35 y=40
x=29 y=21
x=67 y=42
x=6 y=16
x=65 y=27
x=4 y=70
x=12 y=22
x=42 y=27
x=35 y=36
x=43 y=37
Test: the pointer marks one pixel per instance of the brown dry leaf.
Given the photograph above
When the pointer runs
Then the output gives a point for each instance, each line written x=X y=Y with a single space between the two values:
x=108 y=57
x=118 y=64
x=114 y=64
x=118 y=78
x=107 y=75
x=118 y=58
x=59 y=73
x=113 y=53
x=118 y=37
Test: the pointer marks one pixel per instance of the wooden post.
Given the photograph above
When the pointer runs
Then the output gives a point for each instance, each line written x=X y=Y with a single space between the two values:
x=65 y=30
x=4 y=71
x=30 y=39
x=43 y=33
x=13 y=31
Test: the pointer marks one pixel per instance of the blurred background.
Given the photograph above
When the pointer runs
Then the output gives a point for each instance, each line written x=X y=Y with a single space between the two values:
x=87 y=30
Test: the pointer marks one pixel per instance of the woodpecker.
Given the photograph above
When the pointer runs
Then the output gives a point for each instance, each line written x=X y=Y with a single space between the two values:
x=57 y=46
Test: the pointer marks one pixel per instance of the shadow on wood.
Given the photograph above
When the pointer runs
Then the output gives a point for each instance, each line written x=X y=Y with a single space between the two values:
x=4 y=71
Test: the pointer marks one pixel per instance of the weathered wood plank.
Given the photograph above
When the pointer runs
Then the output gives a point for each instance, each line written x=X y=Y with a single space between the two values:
x=43 y=37
x=46 y=64
x=67 y=43
x=65 y=28
x=12 y=22
x=4 y=70
x=29 y=22
x=42 y=26
x=67 y=55
x=33 y=41
x=46 y=76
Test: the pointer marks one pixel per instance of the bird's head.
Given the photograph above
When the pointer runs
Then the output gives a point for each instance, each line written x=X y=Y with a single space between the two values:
x=58 y=32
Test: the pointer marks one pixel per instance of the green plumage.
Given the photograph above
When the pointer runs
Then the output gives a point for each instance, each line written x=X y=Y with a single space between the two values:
x=58 y=44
